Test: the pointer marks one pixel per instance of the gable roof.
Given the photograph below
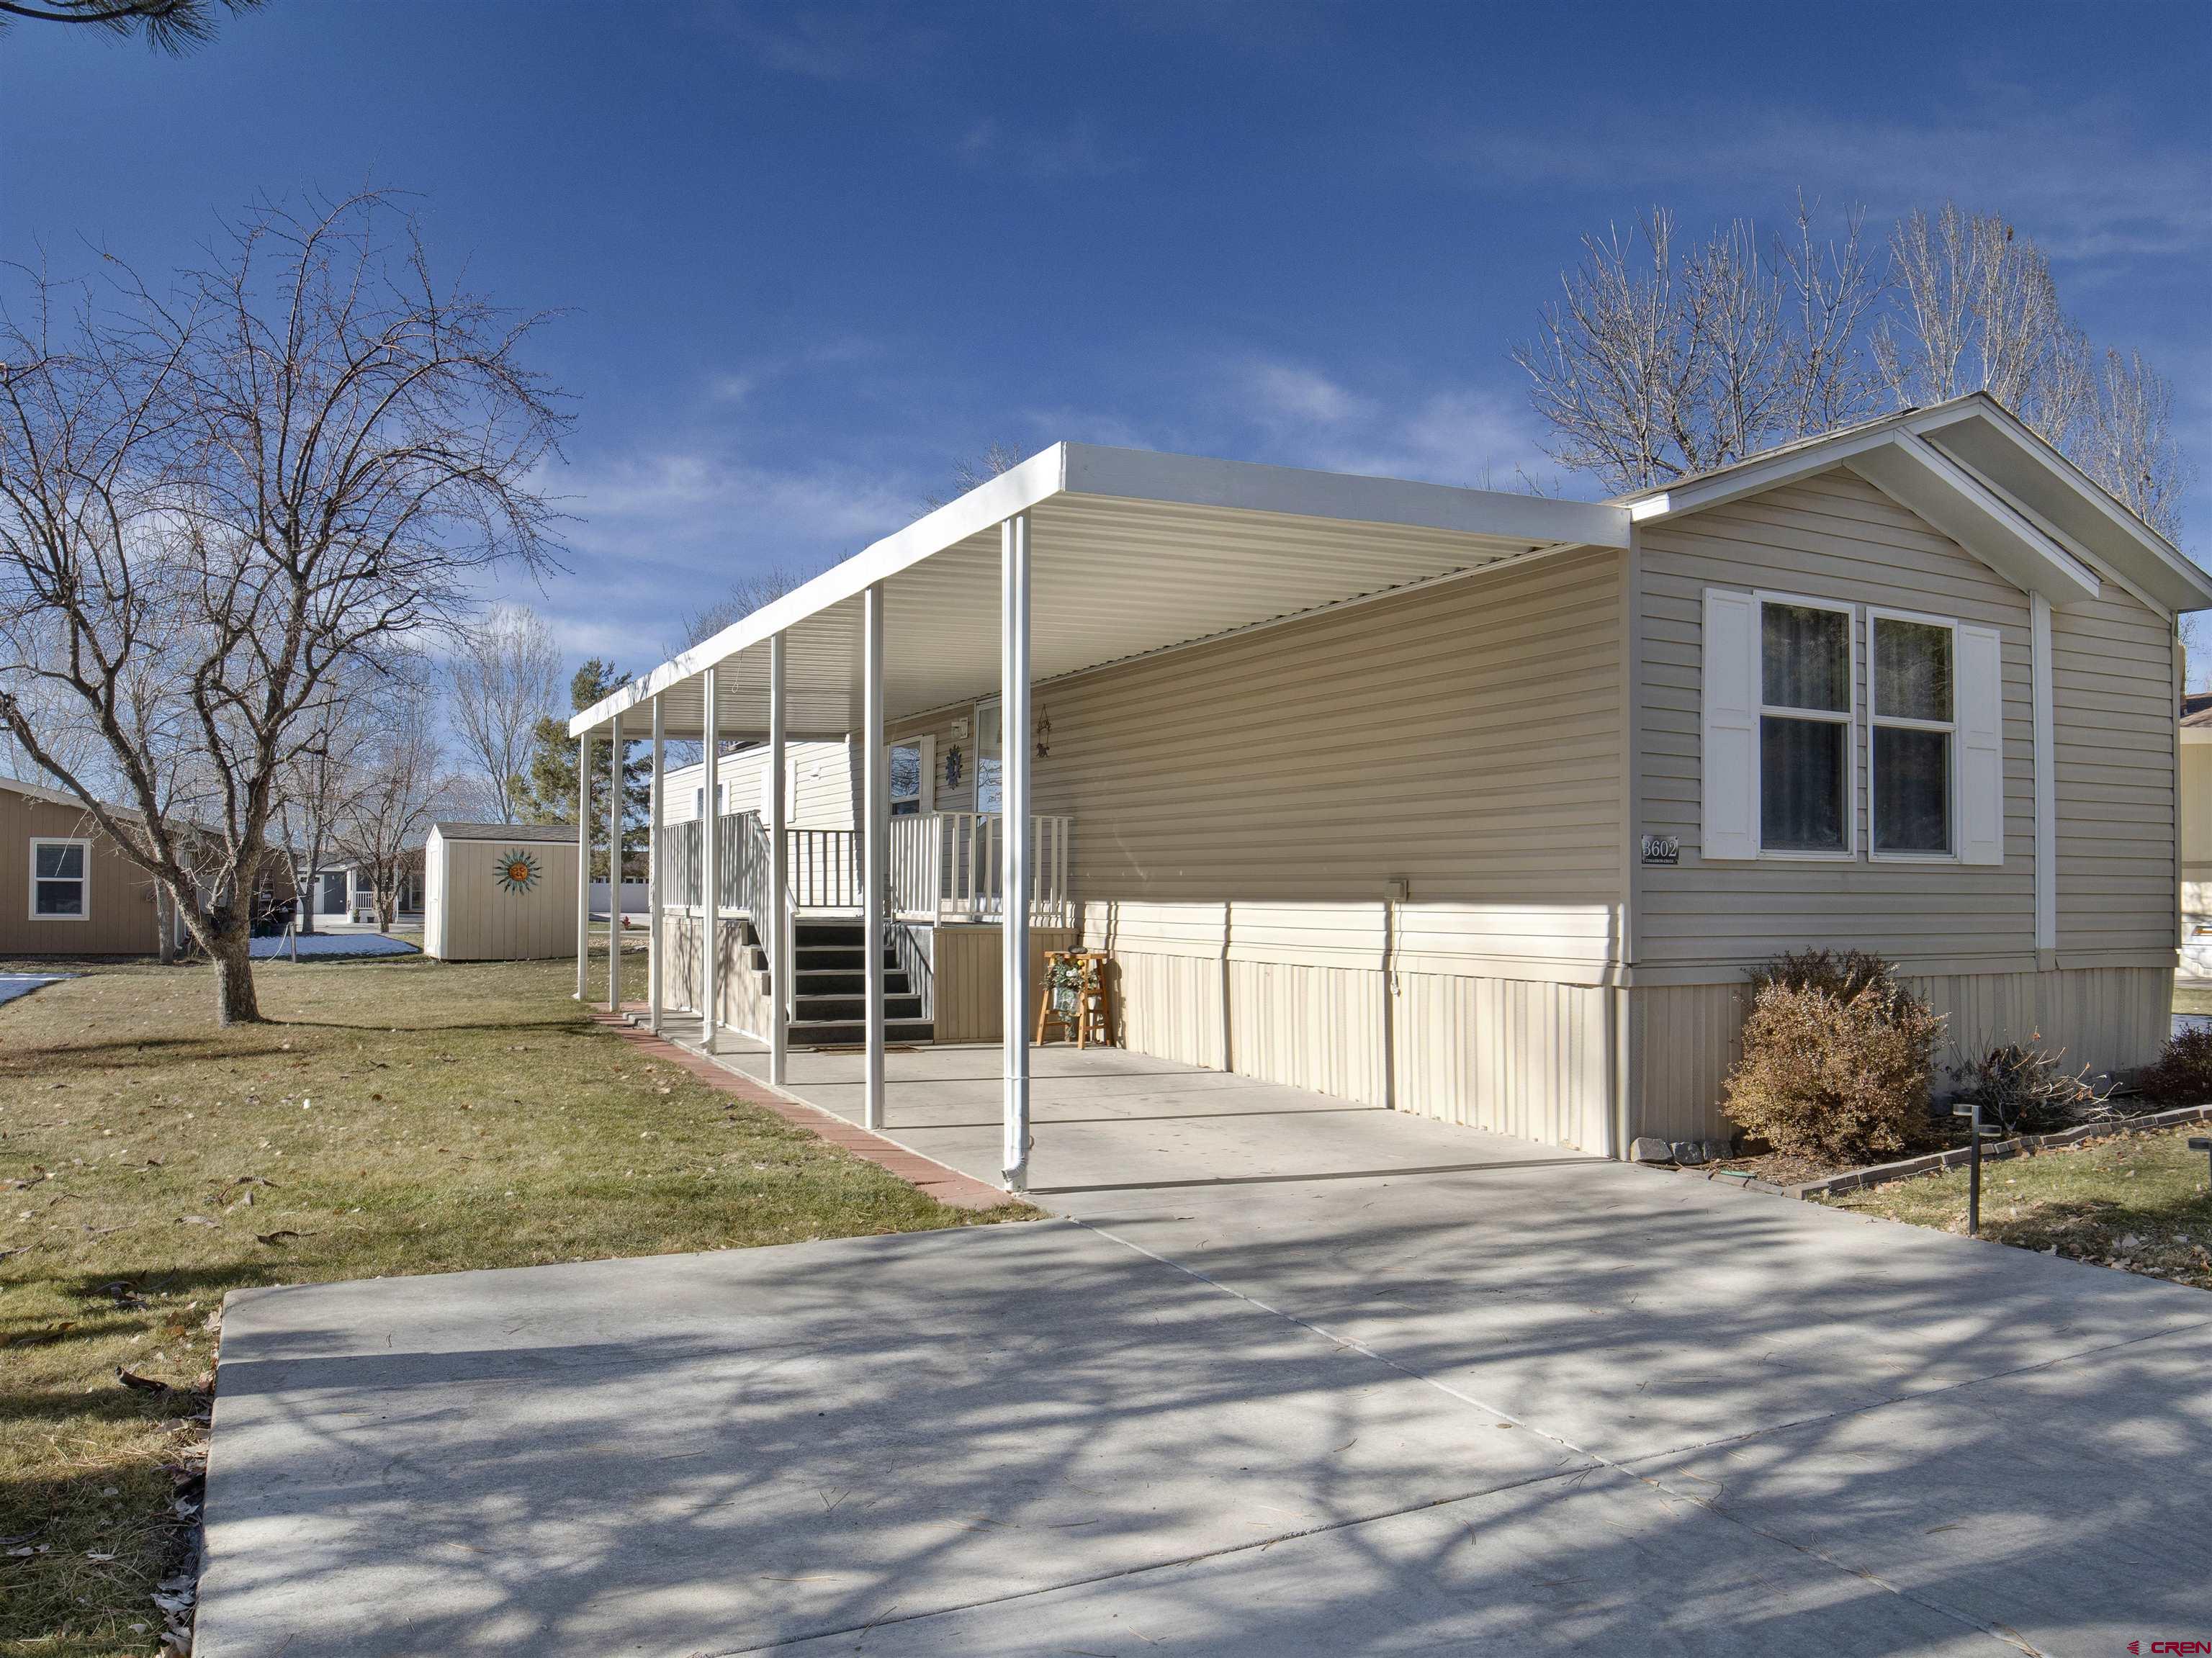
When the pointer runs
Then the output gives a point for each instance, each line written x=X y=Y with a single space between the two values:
x=516 y=832
x=1974 y=472
x=58 y=797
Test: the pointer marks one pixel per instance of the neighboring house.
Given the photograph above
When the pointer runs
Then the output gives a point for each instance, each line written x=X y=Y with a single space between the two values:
x=341 y=892
x=66 y=888
x=1478 y=806
x=2196 y=834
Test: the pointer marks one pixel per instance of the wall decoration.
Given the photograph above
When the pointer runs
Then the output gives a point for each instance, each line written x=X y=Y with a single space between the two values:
x=1043 y=732
x=952 y=766
x=518 y=870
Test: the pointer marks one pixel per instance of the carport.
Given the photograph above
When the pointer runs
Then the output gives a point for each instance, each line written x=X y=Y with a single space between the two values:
x=1080 y=557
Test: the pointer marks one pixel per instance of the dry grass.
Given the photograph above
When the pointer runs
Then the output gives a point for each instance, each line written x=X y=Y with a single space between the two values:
x=2140 y=1202
x=401 y=1116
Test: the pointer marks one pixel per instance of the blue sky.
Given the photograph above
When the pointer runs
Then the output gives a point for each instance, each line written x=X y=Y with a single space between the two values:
x=810 y=256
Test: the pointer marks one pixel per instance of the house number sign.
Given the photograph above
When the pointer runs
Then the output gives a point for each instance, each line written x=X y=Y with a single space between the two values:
x=1662 y=849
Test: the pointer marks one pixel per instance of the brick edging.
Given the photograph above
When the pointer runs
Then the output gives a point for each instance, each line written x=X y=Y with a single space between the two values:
x=926 y=1174
x=1855 y=1180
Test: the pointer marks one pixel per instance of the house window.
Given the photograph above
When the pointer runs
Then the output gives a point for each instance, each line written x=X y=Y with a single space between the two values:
x=990 y=791
x=906 y=770
x=1912 y=711
x=59 y=881
x=1804 y=727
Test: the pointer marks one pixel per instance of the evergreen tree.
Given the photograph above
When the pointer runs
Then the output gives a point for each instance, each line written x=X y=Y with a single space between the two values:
x=550 y=787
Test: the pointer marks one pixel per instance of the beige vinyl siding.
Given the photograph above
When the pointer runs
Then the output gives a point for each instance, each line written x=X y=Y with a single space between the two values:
x=965 y=1002
x=2113 y=706
x=1833 y=537
x=1239 y=809
x=821 y=792
x=2196 y=813
x=1687 y=1036
x=119 y=908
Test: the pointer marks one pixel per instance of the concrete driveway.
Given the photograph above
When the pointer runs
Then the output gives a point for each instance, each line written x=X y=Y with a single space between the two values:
x=1515 y=1401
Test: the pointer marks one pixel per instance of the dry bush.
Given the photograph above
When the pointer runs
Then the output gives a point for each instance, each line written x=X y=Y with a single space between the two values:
x=1841 y=972
x=2182 y=1073
x=2026 y=1090
x=1838 y=1076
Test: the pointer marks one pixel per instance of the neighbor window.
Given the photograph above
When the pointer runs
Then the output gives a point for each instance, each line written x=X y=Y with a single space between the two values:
x=1912 y=710
x=1804 y=727
x=906 y=780
x=57 y=880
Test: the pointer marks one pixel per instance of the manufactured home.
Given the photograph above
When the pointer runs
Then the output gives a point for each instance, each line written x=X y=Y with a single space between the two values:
x=1474 y=805
x=66 y=888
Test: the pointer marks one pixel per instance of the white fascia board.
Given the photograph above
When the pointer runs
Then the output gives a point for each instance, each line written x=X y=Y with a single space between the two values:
x=1245 y=486
x=1988 y=437
x=1754 y=476
x=1015 y=491
x=1909 y=470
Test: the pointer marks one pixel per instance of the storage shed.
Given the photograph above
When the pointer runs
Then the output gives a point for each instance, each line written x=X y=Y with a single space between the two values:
x=499 y=892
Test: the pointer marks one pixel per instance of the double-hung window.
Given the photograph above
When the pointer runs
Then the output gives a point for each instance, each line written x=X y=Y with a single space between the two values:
x=1912 y=713
x=1780 y=754
x=59 y=881
x=1805 y=695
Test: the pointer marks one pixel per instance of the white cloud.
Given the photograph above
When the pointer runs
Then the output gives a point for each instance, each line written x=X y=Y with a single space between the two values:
x=1472 y=436
x=1078 y=149
x=2083 y=181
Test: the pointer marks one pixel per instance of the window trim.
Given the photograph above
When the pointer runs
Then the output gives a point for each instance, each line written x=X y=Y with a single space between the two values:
x=1876 y=718
x=1848 y=719
x=83 y=882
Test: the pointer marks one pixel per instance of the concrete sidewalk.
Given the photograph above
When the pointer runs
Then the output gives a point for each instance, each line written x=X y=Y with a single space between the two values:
x=1528 y=1402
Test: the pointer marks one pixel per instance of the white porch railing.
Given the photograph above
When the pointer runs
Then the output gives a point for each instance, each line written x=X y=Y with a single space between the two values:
x=943 y=866
x=951 y=866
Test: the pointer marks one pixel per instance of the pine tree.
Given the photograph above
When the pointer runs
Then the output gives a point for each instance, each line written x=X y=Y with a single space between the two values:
x=550 y=787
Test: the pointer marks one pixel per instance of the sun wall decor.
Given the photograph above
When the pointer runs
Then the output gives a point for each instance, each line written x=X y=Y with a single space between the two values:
x=518 y=870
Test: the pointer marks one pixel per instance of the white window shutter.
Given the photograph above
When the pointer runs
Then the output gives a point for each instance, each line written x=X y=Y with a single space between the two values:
x=1730 y=749
x=1980 y=692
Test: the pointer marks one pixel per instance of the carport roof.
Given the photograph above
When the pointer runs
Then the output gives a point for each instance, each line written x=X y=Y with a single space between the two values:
x=1131 y=553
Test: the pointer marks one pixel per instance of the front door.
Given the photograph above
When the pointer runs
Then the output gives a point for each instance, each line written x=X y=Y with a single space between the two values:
x=990 y=731
x=333 y=901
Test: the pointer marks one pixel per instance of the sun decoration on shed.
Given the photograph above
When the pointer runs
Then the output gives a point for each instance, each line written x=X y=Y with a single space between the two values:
x=518 y=870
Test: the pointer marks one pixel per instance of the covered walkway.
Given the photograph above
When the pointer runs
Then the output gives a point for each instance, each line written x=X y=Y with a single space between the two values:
x=1105 y=1120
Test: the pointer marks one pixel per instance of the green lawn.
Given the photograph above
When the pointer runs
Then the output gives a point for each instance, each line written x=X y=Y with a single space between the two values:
x=2142 y=1202
x=401 y=1116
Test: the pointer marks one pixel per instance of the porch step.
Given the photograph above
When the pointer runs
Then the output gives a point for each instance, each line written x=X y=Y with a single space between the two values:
x=838 y=1010
x=830 y=1033
x=826 y=958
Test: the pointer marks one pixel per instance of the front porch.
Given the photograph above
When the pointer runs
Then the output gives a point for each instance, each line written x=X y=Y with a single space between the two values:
x=942 y=926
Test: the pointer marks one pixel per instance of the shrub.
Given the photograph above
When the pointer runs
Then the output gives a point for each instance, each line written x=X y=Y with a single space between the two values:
x=1841 y=972
x=1839 y=1077
x=2183 y=1072
x=2023 y=1090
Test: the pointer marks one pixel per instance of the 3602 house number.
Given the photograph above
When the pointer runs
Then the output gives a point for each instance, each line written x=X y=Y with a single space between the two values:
x=1662 y=849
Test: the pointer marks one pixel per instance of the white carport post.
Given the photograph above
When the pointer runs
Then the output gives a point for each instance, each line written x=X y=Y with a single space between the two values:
x=778 y=934
x=710 y=862
x=583 y=862
x=876 y=796
x=614 y=863
x=1014 y=883
x=655 y=816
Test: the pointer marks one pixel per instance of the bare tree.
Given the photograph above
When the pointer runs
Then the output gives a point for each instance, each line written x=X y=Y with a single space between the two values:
x=752 y=591
x=1980 y=311
x=1648 y=369
x=972 y=470
x=317 y=784
x=505 y=678
x=172 y=26
x=2127 y=444
x=295 y=460
x=401 y=787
